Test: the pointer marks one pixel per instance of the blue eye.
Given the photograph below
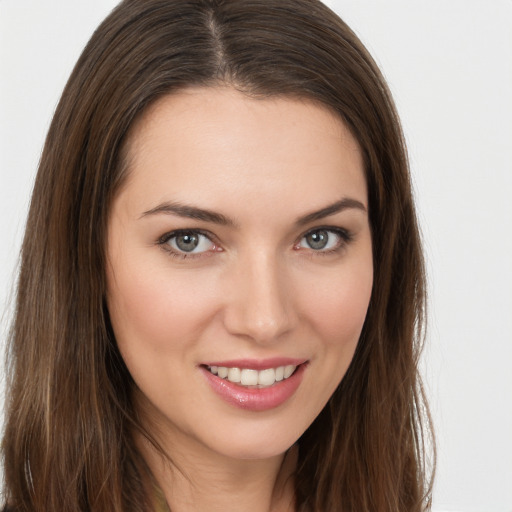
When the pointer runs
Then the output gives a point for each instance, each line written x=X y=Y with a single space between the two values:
x=188 y=242
x=323 y=239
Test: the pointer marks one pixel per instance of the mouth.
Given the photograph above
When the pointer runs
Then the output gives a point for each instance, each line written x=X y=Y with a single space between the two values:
x=255 y=385
x=251 y=378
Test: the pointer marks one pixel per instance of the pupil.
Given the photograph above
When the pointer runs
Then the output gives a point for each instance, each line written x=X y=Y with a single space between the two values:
x=187 y=242
x=318 y=239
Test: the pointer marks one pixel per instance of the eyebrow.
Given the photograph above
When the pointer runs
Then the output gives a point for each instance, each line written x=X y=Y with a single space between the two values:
x=344 y=204
x=193 y=212
x=190 y=212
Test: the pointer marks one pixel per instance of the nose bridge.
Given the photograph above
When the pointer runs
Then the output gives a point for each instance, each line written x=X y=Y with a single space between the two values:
x=261 y=308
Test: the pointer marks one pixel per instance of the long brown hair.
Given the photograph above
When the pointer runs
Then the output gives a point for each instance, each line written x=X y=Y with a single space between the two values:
x=67 y=443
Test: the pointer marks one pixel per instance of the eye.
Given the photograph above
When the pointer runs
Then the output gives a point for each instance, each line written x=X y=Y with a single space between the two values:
x=324 y=239
x=187 y=242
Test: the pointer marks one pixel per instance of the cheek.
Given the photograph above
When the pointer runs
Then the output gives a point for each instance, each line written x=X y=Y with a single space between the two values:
x=151 y=313
x=337 y=307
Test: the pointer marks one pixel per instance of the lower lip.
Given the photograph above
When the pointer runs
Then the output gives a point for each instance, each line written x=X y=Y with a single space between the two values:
x=255 y=399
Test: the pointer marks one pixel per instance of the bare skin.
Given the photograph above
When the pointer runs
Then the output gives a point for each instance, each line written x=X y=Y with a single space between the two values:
x=273 y=195
x=202 y=482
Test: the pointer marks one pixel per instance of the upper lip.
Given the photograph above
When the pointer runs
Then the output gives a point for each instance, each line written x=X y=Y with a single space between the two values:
x=257 y=364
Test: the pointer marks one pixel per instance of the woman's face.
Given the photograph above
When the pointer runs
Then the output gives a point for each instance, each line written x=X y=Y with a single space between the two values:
x=239 y=245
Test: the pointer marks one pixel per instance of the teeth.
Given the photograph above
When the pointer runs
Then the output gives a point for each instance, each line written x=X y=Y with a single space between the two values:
x=249 y=377
x=267 y=377
x=254 y=378
x=234 y=375
x=288 y=370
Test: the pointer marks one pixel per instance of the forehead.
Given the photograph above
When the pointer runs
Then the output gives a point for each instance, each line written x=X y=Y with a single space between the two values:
x=219 y=146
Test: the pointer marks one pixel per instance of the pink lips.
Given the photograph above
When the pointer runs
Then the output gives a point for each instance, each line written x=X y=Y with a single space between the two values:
x=255 y=399
x=257 y=364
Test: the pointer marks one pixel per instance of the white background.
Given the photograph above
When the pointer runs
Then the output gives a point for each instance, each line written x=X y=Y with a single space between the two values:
x=449 y=65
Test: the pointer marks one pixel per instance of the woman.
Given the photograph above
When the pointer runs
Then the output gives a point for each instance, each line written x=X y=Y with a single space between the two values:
x=220 y=302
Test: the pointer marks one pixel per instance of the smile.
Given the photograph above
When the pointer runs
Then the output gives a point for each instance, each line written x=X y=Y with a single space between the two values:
x=253 y=378
x=255 y=385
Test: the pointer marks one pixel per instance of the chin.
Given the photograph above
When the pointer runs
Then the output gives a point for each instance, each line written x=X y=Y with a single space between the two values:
x=256 y=439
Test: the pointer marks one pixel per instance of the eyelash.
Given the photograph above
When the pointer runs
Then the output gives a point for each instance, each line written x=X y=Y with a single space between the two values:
x=345 y=238
x=163 y=241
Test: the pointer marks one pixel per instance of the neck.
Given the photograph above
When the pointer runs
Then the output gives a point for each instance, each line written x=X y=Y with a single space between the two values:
x=197 y=479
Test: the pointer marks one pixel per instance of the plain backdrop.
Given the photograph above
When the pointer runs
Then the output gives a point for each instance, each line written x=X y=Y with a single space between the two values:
x=449 y=66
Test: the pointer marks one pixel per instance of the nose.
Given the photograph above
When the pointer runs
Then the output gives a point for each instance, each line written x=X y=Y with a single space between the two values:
x=260 y=300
